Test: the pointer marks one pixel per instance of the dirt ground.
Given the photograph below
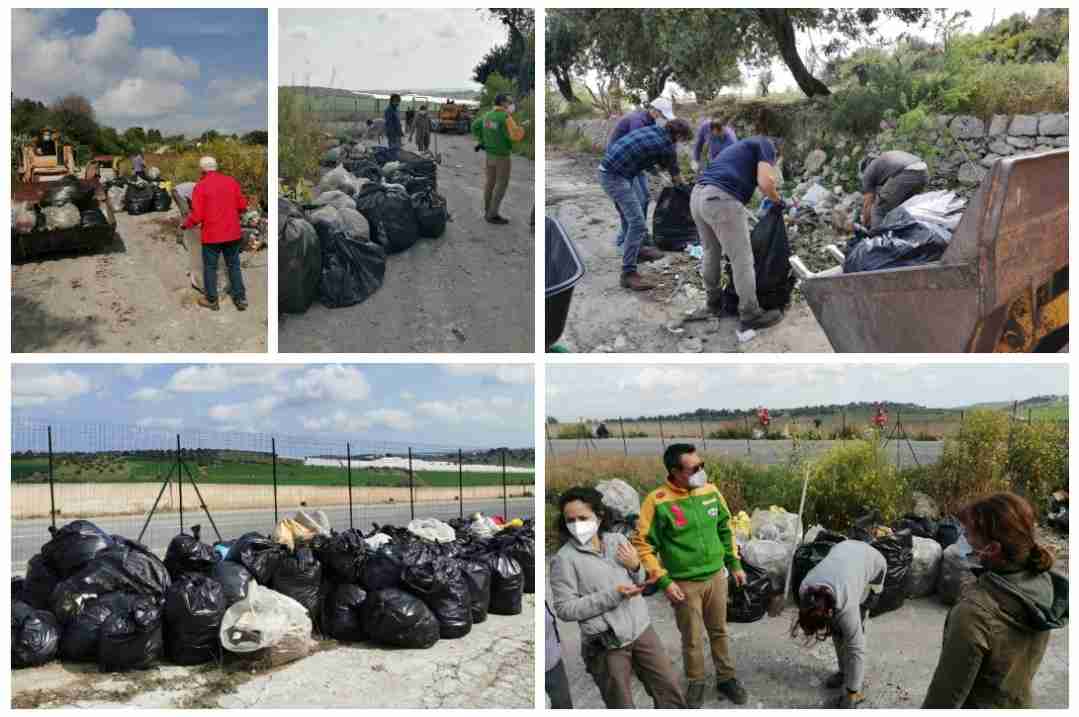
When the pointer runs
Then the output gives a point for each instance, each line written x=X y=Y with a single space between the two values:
x=491 y=667
x=134 y=296
x=469 y=291
x=604 y=317
x=779 y=672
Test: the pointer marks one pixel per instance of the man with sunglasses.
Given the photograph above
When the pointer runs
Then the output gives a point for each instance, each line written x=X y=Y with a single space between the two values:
x=686 y=544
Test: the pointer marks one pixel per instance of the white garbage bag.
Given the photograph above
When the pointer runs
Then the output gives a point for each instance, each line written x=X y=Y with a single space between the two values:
x=817 y=194
x=64 y=216
x=432 y=530
x=924 y=568
x=334 y=198
x=377 y=540
x=23 y=217
x=355 y=223
x=338 y=178
x=483 y=527
x=771 y=556
x=620 y=499
x=115 y=198
x=315 y=520
x=955 y=573
x=266 y=619
x=943 y=208
x=776 y=524
x=153 y=173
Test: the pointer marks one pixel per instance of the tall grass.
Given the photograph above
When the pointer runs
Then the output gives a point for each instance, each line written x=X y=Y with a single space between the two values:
x=245 y=162
x=298 y=139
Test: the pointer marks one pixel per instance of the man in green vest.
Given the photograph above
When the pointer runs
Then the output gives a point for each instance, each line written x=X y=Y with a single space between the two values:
x=496 y=132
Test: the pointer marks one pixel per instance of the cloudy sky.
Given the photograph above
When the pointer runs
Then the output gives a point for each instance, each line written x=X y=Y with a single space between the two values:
x=601 y=392
x=177 y=70
x=419 y=49
x=473 y=406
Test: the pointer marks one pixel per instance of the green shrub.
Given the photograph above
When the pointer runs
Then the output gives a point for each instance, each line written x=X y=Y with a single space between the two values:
x=244 y=162
x=973 y=462
x=1038 y=460
x=850 y=478
x=299 y=144
x=1014 y=89
x=576 y=430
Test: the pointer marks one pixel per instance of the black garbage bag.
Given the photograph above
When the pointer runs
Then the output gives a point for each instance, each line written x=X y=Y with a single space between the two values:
x=672 y=223
x=507 y=584
x=948 y=532
x=903 y=241
x=414 y=185
x=162 y=202
x=18 y=590
x=381 y=155
x=363 y=168
x=132 y=638
x=93 y=218
x=956 y=574
x=342 y=613
x=194 y=607
x=35 y=636
x=478 y=576
x=431 y=214
x=69 y=190
x=83 y=633
x=771 y=262
x=40 y=582
x=749 y=602
x=352 y=270
x=299 y=266
x=443 y=588
x=382 y=569
x=424 y=168
x=299 y=576
x=188 y=554
x=342 y=556
x=919 y=527
x=806 y=557
x=898 y=551
x=73 y=546
x=258 y=554
x=395 y=617
x=139 y=199
x=390 y=215
x=233 y=578
x=125 y=567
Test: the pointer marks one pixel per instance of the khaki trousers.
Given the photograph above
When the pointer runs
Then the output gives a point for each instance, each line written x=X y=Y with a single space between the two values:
x=721 y=224
x=613 y=670
x=704 y=611
x=498 y=178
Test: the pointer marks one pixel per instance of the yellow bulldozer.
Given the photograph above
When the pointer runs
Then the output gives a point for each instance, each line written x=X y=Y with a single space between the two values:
x=46 y=160
x=453 y=117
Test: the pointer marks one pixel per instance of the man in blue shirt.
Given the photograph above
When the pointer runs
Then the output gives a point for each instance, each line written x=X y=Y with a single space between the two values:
x=641 y=150
x=659 y=111
x=718 y=206
x=393 y=123
x=717 y=135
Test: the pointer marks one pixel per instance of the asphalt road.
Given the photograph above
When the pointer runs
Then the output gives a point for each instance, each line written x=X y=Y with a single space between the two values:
x=27 y=536
x=759 y=452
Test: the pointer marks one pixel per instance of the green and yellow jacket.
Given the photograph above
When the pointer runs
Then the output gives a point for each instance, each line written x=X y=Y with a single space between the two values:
x=685 y=534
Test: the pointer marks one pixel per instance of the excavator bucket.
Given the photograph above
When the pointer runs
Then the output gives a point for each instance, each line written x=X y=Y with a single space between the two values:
x=1001 y=285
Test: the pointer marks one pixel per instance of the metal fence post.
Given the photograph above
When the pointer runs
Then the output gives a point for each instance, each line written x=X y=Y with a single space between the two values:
x=505 y=503
x=411 y=487
x=460 y=486
x=704 y=441
x=898 y=426
x=625 y=446
x=273 y=451
x=52 y=492
x=180 y=481
x=749 y=448
x=662 y=438
x=348 y=462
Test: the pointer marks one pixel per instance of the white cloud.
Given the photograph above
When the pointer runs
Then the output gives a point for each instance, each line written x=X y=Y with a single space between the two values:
x=497 y=410
x=172 y=424
x=219 y=378
x=140 y=97
x=237 y=93
x=333 y=383
x=245 y=411
x=301 y=32
x=167 y=65
x=37 y=386
x=504 y=373
x=148 y=393
x=343 y=422
x=408 y=396
x=134 y=371
x=391 y=418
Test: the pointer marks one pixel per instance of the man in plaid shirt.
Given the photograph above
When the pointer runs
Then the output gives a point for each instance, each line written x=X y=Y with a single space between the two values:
x=646 y=149
x=659 y=111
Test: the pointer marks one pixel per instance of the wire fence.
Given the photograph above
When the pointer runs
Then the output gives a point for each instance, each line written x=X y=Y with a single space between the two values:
x=353 y=108
x=150 y=483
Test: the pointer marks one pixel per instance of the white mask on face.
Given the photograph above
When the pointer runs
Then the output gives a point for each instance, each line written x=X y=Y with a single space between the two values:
x=512 y=108
x=698 y=479
x=583 y=530
x=661 y=121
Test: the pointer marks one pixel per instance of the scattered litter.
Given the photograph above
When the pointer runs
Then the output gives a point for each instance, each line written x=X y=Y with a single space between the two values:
x=746 y=336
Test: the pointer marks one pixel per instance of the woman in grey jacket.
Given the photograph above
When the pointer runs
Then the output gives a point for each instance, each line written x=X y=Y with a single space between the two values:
x=596 y=580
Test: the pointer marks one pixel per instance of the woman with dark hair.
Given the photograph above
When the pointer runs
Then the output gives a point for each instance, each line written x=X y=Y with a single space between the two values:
x=995 y=637
x=596 y=579
x=835 y=597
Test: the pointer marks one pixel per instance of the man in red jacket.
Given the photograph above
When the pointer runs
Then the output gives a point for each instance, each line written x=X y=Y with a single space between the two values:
x=217 y=204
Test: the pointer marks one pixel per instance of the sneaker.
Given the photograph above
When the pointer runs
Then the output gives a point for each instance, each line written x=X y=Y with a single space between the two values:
x=497 y=220
x=763 y=320
x=636 y=282
x=695 y=695
x=708 y=311
x=208 y=304
x=240 y=304
x=835 y=681
x=850 y=700
x=732 y=689
x=647 y=253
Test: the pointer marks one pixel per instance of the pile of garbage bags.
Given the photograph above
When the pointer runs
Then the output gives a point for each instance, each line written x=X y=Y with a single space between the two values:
x=93 y=597
x=139 y=196
x=914 y=233
x=66 y=204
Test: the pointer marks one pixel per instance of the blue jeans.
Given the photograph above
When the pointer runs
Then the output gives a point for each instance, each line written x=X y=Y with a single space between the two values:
x=393 y=142
x=231 y=250
x=625 y=193
x=640 y=183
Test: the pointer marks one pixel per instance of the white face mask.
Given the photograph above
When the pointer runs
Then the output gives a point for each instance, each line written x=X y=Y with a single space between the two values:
x=661 y=121
x=583 y=530
x=698 y=479
x=512 y=108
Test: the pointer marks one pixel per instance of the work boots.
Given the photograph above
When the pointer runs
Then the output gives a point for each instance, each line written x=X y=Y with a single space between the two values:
x=763 y=319
x=732 y=689
x=635 y=282
x=695 y=694
x=648 y=253
x=208 y=304
x=835 y=681
x=851 y=700
x=712 y=309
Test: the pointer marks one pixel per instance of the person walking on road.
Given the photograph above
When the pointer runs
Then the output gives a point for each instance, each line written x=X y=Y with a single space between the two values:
x=392 y=123
x=996 y=635
x=658 y=112
x=641 y=150
x=836 y=597
x=888 y=181
x=596 y=581
x=497 y=131
x=718 y=206
x=217 y=204
x=686 y=544
x=421 y=129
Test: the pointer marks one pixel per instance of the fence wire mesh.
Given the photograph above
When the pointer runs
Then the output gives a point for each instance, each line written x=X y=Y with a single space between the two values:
x=155 y=482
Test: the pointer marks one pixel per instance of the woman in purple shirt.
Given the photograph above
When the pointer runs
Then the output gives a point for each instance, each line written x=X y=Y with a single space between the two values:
x=718 y=135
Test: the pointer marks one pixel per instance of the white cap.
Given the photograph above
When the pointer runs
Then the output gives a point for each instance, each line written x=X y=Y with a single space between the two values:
x=208 y=164
x=663 y=106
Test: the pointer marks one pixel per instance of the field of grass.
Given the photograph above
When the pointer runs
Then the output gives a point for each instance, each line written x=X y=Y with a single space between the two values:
x=115 y=470
x=335 y=107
